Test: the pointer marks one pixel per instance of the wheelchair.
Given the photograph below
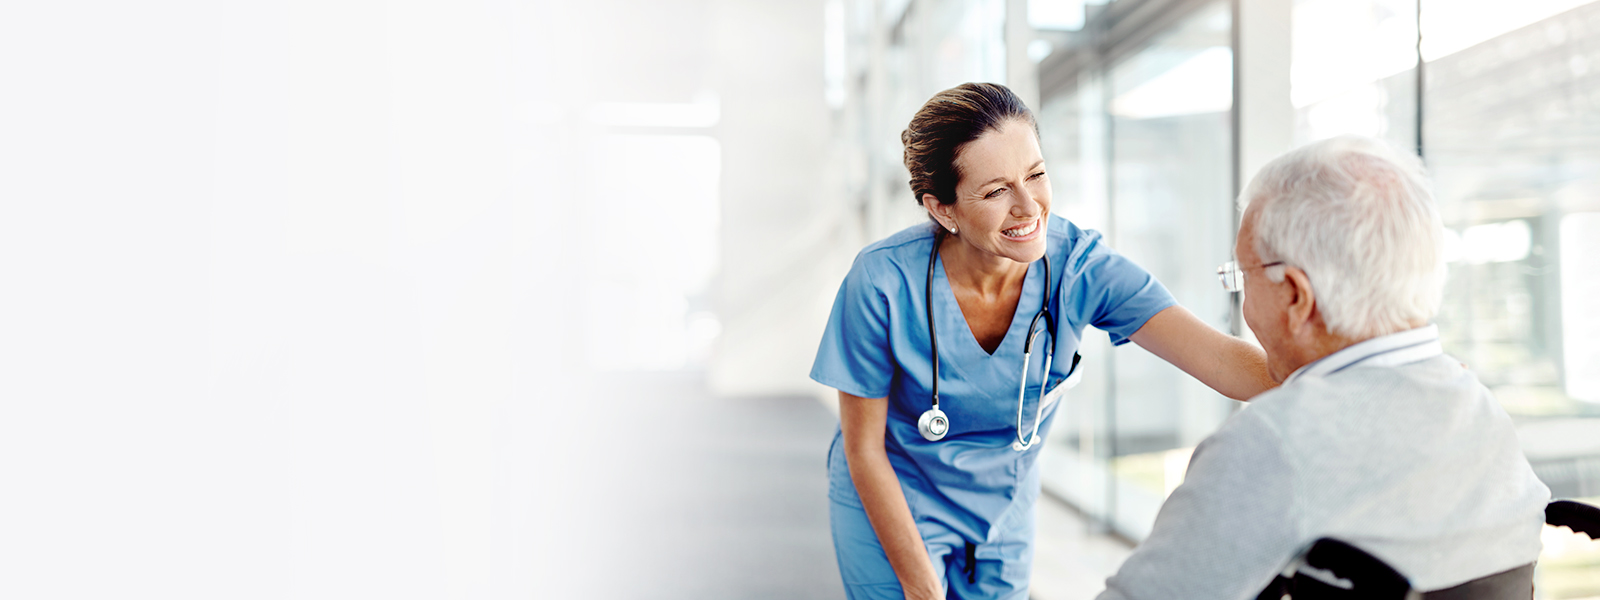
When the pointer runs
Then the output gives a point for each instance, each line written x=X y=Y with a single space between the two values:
x=1334 y=570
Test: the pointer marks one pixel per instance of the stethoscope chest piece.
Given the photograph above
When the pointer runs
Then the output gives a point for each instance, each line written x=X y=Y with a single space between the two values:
x=933 y=425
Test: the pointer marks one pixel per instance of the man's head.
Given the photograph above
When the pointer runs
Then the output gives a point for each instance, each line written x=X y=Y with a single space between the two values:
x=1350 y=229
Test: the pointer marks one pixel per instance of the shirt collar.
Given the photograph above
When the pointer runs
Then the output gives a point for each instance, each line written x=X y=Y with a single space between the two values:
x=1390 y=350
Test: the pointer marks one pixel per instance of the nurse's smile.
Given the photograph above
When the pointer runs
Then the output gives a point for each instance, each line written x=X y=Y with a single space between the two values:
x=1024 y=232
x=1001 y=202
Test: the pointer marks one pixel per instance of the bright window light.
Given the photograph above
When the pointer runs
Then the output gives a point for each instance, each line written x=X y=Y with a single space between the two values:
x=1061 y=15
x=1580 y=285
x=1175 y=464
x=893 y=9
x=1359 y=111
x=833 y=53
x=1202 y=84
x=1450 y=246
x=1039 y=49
x=1497 y=242
x=1449 y=26
x=1339 y=45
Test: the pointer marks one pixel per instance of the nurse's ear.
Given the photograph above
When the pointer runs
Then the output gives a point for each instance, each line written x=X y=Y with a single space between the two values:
x=945 y=214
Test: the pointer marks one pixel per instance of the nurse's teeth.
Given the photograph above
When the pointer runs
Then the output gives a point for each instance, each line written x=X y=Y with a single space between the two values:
x=1023 y=230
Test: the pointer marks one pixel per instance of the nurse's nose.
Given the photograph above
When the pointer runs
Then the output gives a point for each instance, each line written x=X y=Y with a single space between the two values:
x=1025 y=205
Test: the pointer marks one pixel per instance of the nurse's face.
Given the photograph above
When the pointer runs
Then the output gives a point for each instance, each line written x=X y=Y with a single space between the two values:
x=1003 y=196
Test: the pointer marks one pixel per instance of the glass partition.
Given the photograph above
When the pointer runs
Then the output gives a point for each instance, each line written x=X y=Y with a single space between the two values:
x=1171 y=190
x=1513 y=139
x=1353 y=69
x=1072 y=129
x=1150 y=142
x=1512 y=136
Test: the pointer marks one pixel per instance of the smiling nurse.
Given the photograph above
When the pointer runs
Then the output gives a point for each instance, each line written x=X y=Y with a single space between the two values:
x=933 y=474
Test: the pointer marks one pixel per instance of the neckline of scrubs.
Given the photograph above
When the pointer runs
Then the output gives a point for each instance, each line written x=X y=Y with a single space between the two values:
x=952 y=309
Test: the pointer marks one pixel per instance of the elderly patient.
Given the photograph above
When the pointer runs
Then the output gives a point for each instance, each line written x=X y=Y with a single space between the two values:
x=1375 y=437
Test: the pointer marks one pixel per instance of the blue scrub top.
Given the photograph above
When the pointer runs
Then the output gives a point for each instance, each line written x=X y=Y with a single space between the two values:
x=876 y=345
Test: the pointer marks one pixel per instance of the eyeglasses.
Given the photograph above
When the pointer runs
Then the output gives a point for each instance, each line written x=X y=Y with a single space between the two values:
x=1233 y=277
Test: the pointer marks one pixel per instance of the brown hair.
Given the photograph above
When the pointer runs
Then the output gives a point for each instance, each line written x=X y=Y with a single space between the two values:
x=948 y=122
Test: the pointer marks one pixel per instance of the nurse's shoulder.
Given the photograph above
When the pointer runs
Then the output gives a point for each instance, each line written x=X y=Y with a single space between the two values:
x=903 y=256
x=1069 y=242
x=1077 y=244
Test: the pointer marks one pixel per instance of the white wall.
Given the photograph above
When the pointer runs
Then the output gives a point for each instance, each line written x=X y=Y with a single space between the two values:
x=789 y=231
x=295 y=292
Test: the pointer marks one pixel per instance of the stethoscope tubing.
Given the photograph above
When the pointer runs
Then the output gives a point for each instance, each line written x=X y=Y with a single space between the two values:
x=934 y=415
x=1022 y=390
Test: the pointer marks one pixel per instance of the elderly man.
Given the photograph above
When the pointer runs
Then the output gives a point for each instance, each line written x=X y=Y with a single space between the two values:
x=1375 y=437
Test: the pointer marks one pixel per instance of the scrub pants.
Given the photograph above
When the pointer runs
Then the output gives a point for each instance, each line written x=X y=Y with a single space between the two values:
x=995 y=570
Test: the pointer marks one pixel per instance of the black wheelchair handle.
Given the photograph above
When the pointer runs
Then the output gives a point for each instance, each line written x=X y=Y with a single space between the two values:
x=1577 y=516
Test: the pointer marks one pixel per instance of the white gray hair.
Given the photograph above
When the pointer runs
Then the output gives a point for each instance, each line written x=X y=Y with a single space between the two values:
x=1357 y=215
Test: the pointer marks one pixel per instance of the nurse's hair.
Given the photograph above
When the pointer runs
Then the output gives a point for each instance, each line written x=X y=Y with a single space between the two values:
x=948 y=122
x=1357 y=215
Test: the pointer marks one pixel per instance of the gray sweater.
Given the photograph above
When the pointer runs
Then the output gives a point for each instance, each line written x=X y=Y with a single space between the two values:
x=1389 y=444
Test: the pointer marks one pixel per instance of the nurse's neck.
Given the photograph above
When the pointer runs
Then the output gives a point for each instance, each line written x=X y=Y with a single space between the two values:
x=978 y=271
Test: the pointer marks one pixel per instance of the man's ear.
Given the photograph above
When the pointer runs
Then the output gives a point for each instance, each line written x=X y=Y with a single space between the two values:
x=1302 y=310
x=943 y=213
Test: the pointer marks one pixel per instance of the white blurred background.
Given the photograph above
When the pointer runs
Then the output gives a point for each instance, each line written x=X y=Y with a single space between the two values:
x=319 y=299
x=468 y=299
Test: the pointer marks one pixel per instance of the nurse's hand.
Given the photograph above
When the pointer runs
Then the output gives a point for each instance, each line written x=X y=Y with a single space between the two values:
x=863 y=421
x=1231 y=366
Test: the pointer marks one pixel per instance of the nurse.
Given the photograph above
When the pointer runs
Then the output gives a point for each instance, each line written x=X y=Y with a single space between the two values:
x=947 y=509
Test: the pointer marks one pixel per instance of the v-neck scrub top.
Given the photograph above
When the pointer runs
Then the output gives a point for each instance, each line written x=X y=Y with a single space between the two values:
x=876 y=345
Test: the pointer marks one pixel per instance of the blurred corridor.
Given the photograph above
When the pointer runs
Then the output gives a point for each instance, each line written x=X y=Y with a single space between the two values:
x=728 y=503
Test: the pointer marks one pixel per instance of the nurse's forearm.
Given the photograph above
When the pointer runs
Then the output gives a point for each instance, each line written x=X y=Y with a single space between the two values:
x=891 y=519
x=862 y=421
x=1231 y=366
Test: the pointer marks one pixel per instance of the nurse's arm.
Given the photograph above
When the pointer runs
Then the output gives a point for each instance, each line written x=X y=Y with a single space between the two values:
x=862 y=421
x=1231 y=366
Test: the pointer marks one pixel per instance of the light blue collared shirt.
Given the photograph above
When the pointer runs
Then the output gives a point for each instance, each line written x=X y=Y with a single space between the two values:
x=1390 y=350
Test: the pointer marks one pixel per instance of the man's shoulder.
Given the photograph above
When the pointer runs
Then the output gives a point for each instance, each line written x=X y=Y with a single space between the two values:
x=1356 y=412
x=1309 y=412
x=1254 y=430
x=1438 y=375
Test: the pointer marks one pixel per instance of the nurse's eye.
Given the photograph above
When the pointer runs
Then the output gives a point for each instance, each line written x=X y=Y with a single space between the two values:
x=1036 y=175
x=994 y=194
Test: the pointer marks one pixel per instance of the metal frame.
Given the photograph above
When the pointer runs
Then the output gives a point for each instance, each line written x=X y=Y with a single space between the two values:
x=1110 y=33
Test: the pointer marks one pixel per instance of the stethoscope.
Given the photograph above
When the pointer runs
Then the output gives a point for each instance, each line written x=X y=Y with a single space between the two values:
x=934 y=424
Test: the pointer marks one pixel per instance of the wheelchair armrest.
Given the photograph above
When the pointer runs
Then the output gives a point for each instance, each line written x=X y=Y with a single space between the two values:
x=1333 y=569
x=1581 y=518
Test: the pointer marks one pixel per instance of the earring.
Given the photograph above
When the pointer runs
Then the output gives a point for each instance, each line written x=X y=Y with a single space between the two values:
x=952 y=230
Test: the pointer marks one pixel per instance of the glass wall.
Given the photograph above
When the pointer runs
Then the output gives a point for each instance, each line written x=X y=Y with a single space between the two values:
x=899 y=54
x=1353 y=69
x=1072 y=129
x=1511 y=131
x=1142 y=150
x=1512 y=134
x=1171 y=186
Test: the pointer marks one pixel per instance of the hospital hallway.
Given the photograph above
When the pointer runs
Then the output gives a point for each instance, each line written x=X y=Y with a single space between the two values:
x=519 y=299
x=707 y=497
x=714 y=497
